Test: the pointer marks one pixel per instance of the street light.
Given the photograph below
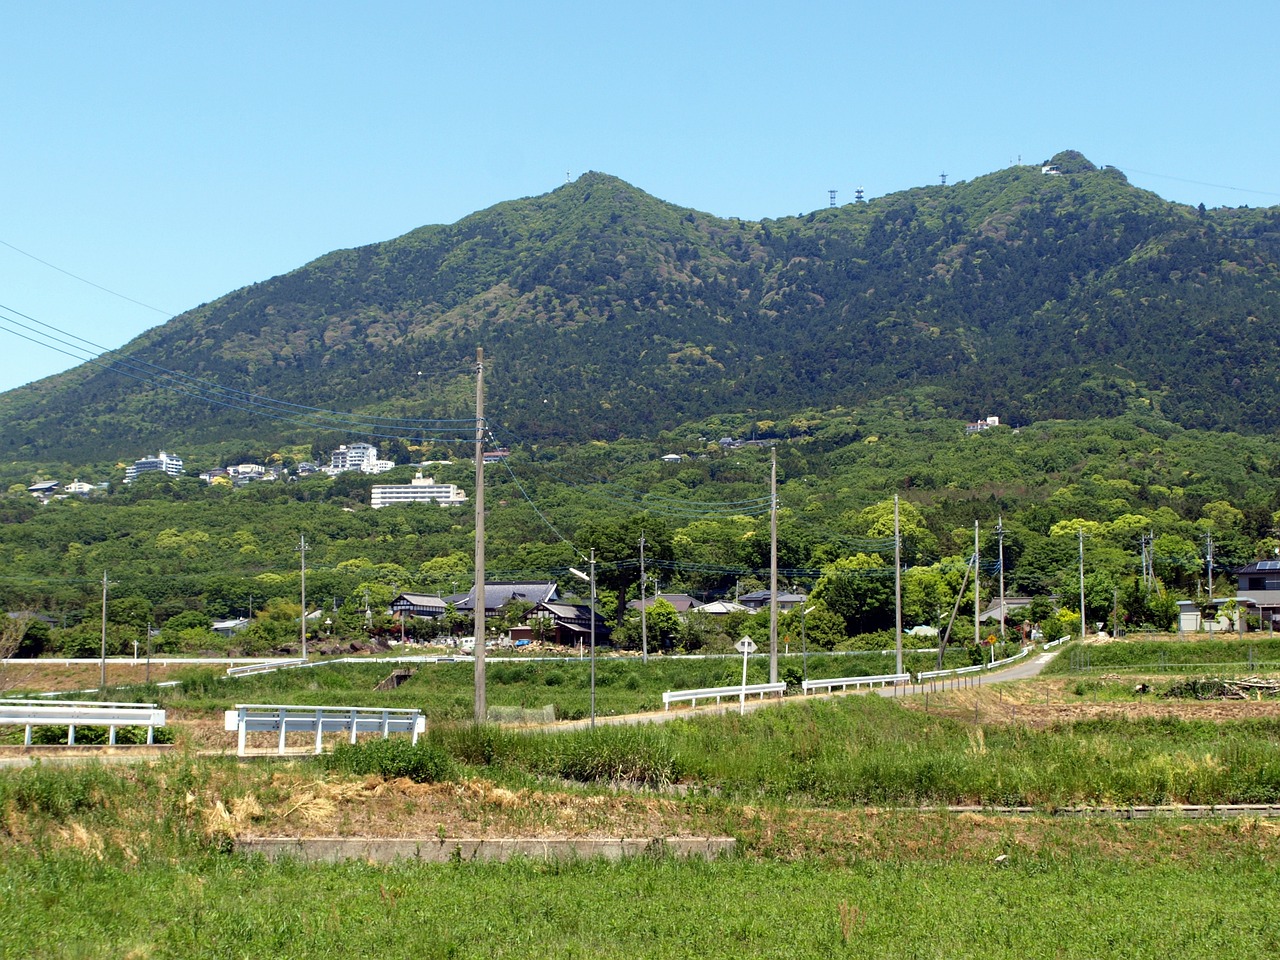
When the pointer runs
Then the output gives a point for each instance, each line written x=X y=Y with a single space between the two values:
x=592 y=580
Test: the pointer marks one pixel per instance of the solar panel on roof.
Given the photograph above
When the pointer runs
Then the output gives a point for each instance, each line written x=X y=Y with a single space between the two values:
x=1269 y=564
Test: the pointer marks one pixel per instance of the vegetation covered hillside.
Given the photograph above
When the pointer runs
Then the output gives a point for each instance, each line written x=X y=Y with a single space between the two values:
x=606 y=312
x=180 y=553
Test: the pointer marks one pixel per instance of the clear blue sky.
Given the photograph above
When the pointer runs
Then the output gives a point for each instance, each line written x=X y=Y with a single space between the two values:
x=173 y=152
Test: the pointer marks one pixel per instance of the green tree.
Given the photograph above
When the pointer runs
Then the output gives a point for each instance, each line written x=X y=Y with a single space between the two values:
x=859 y=589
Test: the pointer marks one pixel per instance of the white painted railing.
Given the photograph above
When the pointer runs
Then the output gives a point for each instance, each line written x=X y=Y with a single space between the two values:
x=708 y=693
x=81 y=713
x=845 y=682
x=284 y=719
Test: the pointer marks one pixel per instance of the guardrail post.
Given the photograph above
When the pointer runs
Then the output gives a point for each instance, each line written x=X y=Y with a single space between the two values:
x=241 y=723
x=284 y=723
x=354 y=722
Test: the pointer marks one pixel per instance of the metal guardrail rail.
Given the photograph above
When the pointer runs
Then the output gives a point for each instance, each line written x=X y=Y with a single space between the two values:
x=282 y=719
x=707 y=693
x=845 y=682
x=81 y=713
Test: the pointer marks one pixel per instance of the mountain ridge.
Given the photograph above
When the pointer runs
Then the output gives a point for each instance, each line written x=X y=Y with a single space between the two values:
x=604 y=311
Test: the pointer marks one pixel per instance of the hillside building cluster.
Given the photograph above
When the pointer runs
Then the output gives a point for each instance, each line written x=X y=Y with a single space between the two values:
x=418 y=490
x=160 y=463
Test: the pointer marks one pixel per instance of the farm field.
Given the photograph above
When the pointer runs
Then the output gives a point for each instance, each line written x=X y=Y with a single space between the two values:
x=836 y=804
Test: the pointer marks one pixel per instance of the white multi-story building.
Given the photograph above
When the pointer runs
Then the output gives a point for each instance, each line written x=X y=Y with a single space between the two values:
x=419 y=490
x=357 y=456
x=162 y=463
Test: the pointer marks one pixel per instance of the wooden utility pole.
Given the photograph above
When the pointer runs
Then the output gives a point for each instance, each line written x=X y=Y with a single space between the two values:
x=977 y=606
x=644 y=628
x=897 y=587
x=102 y=682
x=481 y=711
x=773 y=567
x=302 y=549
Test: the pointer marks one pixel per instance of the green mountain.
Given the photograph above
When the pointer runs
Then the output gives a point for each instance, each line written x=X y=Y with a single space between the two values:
x=604 y=311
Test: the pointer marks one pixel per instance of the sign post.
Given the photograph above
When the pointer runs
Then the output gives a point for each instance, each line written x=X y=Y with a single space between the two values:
x=746 y=646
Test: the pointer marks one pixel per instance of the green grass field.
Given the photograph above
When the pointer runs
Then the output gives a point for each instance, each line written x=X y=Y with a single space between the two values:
x=135 y=860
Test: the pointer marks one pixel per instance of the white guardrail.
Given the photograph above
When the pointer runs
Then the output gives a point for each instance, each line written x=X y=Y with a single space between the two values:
x=270 y=666
x=707 y=693
x=1056 y=643
x=81 y=713
x=1007 y=660
x=924 y=675
x=845 y=682
x=283 y=719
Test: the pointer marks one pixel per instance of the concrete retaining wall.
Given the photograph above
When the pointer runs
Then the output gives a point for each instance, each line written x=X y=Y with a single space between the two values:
x=432 y=850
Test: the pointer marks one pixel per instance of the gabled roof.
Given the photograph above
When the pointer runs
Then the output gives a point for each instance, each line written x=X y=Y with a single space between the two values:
x=681 y=601
x=499 y=593
x=761 y=597
x=721 y=607
x=1259 y=566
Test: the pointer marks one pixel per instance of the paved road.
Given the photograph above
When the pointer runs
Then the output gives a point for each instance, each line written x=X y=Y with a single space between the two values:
x=1022 y=670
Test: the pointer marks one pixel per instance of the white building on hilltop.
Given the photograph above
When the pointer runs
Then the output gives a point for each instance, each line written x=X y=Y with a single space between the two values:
x=162 y=463
x=418 y=490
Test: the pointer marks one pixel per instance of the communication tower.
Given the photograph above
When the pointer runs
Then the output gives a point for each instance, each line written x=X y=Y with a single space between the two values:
x=832 y=194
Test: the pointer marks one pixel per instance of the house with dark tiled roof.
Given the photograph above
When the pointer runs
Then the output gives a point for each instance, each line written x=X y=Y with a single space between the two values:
x=759 y=599
x=1258 y=590
x=418 y=605
x=568 y=623
x=499 y=593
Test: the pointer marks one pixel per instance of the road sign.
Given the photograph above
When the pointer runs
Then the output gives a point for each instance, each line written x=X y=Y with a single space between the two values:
x=745 y=645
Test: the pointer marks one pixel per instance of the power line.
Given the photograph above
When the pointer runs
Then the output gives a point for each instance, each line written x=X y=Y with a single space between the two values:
x=97 y=286
x=143 y=371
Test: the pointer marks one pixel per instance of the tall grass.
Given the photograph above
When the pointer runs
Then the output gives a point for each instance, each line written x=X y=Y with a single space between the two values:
x=1235 y=656
x=869 y=750
x=445 y=691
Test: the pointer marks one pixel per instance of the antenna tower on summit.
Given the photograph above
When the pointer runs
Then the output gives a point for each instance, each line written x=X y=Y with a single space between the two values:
x=857 y=196
x=832 y=194
x=944 y=178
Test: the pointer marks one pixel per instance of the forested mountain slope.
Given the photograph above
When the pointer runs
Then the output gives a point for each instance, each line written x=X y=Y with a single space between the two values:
x=604 y=311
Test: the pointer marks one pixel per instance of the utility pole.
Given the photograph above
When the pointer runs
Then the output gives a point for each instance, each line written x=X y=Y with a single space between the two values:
x=773 y=566
x=302 y=549
x=481 y=709
x=102 y=682
x=977 y=605
x=1000 y=543
x=1083 y=629
x=593 y=638
x=897 y=588
x=644 y=628
x=1208 y=545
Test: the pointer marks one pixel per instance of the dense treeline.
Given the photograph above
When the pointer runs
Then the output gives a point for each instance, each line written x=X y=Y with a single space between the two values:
x=606 y=312
x=180 y=553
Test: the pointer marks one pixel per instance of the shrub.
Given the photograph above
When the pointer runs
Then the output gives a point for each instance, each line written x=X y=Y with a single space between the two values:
x=391 y=758
x=619 y=754
x=94 y=736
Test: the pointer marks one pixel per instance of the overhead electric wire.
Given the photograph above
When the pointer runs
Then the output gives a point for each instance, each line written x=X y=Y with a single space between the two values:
x=97 y=286
x=655 y=503
x=459 y=429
